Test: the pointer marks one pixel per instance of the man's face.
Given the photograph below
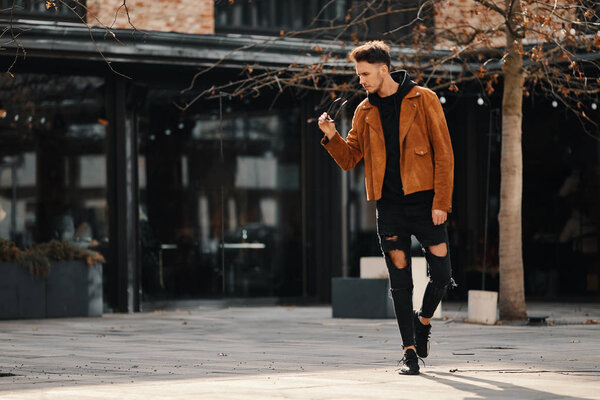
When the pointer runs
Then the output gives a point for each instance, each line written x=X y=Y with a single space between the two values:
x=370 y=75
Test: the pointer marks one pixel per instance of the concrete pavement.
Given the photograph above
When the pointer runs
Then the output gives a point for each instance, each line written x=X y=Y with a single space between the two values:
x=295 y=353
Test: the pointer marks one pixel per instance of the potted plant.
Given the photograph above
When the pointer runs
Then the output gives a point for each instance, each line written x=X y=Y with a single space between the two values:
x=53 y=279
x=22 y=294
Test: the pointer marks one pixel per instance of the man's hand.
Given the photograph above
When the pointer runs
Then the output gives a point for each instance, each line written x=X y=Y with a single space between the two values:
x=439 y=216
x=327 y=127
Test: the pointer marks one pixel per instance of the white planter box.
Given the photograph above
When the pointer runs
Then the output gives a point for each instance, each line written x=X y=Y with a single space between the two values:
x=483 y=307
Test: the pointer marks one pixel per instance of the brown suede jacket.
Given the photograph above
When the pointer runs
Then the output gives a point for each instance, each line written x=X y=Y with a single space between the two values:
x=426 y=157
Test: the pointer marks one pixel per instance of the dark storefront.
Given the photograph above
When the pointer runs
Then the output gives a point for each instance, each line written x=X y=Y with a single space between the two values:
x=53 y=166
x=561 y=190
x=219 y=198
x=211 y=202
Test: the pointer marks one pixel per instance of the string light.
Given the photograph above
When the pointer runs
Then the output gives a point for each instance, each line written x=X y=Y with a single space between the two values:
x=554 y=103
x=480 y=101
x=594 y=106
x=442 y=100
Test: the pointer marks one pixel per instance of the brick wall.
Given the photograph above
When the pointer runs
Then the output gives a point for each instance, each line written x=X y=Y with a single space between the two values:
x=452 y=17
x=184 y=16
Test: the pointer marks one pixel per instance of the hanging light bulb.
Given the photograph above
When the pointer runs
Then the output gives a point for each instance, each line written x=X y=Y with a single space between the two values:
x=594 y=106
x=554 y=103
x=480 y=101
x=442 y=100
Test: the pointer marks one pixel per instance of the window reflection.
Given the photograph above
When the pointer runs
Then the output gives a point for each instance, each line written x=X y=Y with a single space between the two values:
x=215 y=223
x=64 y=10
x=52 y=160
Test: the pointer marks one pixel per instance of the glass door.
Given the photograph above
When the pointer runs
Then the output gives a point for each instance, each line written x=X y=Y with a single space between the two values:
x=220 y=203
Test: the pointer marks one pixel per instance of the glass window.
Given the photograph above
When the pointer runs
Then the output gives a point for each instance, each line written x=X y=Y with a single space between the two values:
x=274 y=15
x=64 y=10
x=53 y=160
x=220 y=201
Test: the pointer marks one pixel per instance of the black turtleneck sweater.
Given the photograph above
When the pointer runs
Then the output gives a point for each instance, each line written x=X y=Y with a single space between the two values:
x=389 y=113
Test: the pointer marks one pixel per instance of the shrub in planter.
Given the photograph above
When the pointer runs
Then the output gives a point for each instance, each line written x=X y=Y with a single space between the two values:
x=39 y=257
x=54 y=279
x=8 y=251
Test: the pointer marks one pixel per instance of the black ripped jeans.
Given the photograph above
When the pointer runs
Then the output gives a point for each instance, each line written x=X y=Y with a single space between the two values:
x=395 y=225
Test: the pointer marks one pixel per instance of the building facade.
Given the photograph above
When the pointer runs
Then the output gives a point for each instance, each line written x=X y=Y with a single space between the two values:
x=234 y=197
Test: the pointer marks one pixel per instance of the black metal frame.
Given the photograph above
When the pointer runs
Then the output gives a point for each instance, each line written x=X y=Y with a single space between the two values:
x=122 y=198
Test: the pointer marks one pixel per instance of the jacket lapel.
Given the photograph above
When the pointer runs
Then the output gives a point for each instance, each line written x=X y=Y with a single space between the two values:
x=408 y=112
x=376 y=139
x=373 y=120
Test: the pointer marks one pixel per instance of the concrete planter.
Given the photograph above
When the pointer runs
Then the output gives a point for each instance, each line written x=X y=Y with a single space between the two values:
x=482 y=307
x=21 y=294
x=74 y=289
x=71 y=289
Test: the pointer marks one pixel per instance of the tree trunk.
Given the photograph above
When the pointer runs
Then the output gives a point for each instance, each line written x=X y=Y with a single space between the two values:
x=512 y=291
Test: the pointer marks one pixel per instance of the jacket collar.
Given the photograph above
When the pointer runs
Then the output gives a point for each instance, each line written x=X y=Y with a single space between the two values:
x=414 y=92
x=402 y=78
x=407 y=116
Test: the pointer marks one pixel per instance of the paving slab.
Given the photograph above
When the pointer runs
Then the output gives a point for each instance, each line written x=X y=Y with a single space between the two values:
x=293 y=353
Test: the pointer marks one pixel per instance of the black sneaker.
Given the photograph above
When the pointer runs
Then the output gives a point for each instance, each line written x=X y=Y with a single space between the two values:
x=410 y=363
x=422 y=333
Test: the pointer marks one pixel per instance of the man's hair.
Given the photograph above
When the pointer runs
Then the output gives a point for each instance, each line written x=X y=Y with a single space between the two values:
x=372 y=52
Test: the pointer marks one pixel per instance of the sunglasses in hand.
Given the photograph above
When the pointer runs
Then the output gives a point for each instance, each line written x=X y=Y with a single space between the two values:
x=337 y=103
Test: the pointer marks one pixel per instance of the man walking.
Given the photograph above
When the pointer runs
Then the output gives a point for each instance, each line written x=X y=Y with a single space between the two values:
x=401 y=132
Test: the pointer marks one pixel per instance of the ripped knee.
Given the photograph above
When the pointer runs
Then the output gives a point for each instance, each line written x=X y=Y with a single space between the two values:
x=439 y=250
x=398 y=258
x=439 y=268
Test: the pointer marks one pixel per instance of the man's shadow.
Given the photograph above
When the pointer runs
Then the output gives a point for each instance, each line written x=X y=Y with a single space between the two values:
x=500 y=390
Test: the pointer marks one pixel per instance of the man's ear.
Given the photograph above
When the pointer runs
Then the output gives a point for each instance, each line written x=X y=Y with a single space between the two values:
x=384 y=69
